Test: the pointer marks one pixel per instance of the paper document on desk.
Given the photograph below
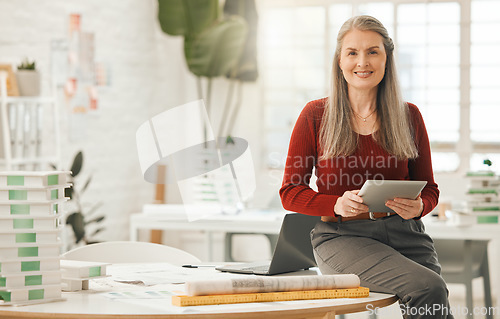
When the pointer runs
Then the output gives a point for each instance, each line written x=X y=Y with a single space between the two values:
x=148 y=294
x=270 y=284
x=157 y=273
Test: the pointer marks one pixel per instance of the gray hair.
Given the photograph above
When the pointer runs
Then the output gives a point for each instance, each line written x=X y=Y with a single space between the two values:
x=395 y=134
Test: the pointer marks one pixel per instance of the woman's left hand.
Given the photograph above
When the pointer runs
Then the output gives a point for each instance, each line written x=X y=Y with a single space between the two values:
x=406 y=208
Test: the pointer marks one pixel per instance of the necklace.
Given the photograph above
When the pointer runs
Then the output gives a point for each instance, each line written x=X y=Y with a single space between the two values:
x=365 y=132
x=364 y=118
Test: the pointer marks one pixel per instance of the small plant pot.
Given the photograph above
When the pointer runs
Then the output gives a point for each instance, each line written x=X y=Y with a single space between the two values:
x=28 y=82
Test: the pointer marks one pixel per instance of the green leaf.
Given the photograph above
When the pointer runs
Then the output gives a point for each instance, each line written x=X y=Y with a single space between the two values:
x=96 y=220
x=86 y=185
x=246 y=70
x=77 y=224
x=229 y=140
x=94 y=208
x=184 y=17
x=217 y=50
x=27 y=65
x=97 y=231
x=77 y=164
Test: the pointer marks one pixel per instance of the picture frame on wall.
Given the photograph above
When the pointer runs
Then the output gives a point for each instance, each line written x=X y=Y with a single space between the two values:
x=12 y=88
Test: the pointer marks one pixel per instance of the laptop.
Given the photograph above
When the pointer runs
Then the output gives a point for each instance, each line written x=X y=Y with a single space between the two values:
x=293 y=250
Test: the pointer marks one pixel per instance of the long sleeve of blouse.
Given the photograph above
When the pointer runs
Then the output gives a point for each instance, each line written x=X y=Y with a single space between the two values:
x=337 y=175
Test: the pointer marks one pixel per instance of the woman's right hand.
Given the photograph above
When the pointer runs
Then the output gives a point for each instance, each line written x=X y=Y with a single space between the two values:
x=350 y=204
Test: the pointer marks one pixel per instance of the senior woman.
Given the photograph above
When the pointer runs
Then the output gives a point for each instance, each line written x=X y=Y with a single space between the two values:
x=364 y=130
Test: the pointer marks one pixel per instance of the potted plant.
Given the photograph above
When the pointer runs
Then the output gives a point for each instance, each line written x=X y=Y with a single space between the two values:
x=217 y=42
x=220 y=40
x=28 y=78
x=84 y=224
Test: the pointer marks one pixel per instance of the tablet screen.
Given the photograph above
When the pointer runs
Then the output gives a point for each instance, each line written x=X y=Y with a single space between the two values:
x=376 y=193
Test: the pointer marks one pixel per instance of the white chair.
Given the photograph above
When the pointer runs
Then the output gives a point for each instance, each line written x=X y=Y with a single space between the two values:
x=130 y=252
x=228 y=243
x=462 y=261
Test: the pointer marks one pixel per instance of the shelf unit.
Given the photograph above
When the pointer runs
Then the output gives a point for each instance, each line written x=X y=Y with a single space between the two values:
x=30 y=131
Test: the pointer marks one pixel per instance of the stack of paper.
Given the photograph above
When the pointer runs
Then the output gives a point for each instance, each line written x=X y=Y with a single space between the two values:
x=76 y=274
x=483 y=200
x=30 y=206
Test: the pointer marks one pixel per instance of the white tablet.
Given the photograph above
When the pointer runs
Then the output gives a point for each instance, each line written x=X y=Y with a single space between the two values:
x=376 y=192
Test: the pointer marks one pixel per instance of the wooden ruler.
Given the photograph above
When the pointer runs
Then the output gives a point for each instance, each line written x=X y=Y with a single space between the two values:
x=183 y=301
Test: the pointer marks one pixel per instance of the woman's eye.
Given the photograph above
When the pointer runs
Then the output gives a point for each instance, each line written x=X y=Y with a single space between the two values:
x=373 y=52
x=352 y=53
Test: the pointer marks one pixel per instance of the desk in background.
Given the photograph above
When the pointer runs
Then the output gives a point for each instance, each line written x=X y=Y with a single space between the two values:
x=249 y=222
x=269 y=222
x=92 y=304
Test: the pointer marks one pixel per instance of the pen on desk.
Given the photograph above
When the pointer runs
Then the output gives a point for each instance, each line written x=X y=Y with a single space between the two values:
x=197 y=266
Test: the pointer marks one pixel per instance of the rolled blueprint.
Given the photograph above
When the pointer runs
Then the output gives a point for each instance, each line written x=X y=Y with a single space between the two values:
x=270 y=284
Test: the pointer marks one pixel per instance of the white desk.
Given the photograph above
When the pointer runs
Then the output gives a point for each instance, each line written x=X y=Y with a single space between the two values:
x=261 y=222
x=270 y=223
x=92 y=304
x=445 y=230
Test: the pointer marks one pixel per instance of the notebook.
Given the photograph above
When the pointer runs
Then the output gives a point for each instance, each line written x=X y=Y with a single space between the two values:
x=293 y=250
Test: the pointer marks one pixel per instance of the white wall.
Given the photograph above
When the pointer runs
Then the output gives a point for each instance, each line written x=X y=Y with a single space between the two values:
x=148 y=77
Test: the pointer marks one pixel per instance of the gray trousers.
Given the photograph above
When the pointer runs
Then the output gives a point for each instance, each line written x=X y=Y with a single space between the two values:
x=390 y=255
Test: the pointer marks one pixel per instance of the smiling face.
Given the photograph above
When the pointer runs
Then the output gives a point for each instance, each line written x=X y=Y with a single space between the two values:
x=362 y=60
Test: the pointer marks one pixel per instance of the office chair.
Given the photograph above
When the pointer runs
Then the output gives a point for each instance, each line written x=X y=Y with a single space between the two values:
x=462 y=261
x=130 y=252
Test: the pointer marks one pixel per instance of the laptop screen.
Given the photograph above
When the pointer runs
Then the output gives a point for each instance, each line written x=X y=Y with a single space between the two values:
x=294 y=250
